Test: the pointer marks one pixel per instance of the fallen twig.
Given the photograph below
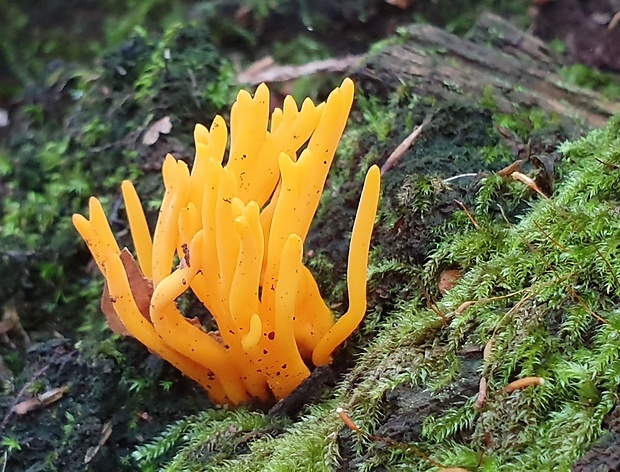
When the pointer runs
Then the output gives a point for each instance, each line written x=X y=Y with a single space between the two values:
x=25 y=388
x=349 y=423
x=460 y=176
x=40 y=401
x=266 y=70
x=469 y=215
x=406 y=144
x=482 y=393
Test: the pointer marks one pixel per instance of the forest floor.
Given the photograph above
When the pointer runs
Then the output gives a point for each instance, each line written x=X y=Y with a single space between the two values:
x=78 y=398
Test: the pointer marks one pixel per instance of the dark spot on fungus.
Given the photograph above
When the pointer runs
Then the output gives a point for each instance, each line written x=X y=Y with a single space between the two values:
x=265 y=351
x=271 y=336
x=284 y=366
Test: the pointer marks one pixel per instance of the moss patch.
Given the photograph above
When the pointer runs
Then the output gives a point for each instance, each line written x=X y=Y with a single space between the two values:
x=539 y=286
x=81 y=136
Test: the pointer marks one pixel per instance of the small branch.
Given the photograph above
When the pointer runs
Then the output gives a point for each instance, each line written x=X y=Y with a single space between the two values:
x=461 y=176
x=585 y=306
x=469 y=215
x=349 y=423
x=266 y=71
x=540 y=228
x=24 y=389
x=406 y=144
x=482 y=394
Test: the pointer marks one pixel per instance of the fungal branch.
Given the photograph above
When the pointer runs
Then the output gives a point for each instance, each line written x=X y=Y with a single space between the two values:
x=238 y=231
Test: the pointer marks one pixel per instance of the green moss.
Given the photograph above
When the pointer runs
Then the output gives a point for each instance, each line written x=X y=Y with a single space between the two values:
x=86 y=144
x=560 y=277
x=587 y=77
x=540 y=294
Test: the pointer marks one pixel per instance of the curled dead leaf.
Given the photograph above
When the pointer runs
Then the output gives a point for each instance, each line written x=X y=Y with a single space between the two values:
x=482 y=393
x=106 y=431
x=509 y=169
x=529 y=182
x=488 y=349
x=141 y=288
x=162 y=126
x=448 y=279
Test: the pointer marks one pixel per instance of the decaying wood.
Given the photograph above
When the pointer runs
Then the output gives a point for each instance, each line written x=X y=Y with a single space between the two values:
x=497 y=57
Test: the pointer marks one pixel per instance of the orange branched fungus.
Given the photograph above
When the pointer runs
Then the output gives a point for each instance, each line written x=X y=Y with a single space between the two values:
x=238 y=231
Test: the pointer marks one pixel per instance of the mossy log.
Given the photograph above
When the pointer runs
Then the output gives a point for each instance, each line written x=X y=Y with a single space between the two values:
x=535 y=260
x=537 y=291
x=495 y=57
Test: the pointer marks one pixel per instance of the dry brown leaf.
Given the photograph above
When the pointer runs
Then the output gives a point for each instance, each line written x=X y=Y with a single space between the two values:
x=488 y=349
x=107 y=307
x=194 y=321
x=482 y=393
x=40 y=401
x=529 y=182
x=141 y=289
x=162 y=126
x=6 y=326
x=106 y=431
x=448 y=279
x=508 y=170
x=11 y=330
x=404 y=4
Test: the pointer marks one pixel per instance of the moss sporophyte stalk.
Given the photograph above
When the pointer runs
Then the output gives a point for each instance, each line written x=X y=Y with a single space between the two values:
x=238 y=231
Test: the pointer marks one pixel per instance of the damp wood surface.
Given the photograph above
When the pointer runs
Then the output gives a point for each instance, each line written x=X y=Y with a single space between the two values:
x=517 y=66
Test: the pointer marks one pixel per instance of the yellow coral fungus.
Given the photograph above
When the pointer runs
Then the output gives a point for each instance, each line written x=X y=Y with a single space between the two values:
x=238 y=232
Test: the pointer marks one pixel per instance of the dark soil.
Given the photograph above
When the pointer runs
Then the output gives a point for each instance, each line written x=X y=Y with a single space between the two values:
x=122 y=390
